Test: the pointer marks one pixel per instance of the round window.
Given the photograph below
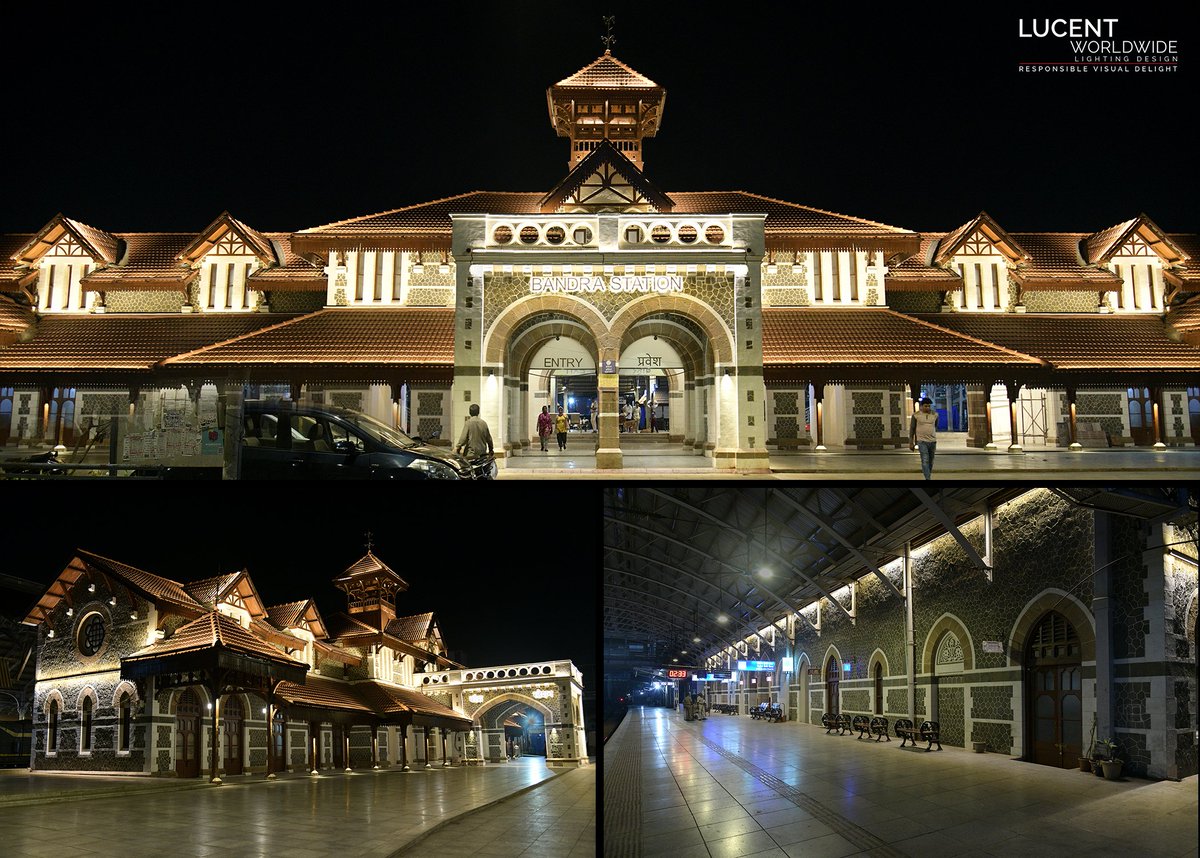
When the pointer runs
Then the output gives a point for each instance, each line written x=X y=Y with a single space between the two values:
x=687 y=234
x=714 y=234
x=583 y=235
x=660 y=234
x=502 y=234
x=92 y=632
x=529 y=234
x=556 y=235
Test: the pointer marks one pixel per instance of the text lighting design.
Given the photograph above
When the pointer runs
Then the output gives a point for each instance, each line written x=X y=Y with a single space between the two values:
x=606 y=283
x=756 y=665
x=475 y=698
x=543 y=693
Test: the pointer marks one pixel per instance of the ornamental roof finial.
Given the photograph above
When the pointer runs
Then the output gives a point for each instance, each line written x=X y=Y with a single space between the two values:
x=609 y=39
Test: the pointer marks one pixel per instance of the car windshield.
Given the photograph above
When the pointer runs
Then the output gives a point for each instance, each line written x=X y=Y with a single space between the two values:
x=379 y=432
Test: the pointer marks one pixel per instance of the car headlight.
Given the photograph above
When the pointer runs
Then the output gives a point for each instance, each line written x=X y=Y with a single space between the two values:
x=434 y=470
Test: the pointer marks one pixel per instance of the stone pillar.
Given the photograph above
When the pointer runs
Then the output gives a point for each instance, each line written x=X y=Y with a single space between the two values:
x=1156 y=404
x=1102 y=611
x=608 y=439
x=1013 y=389
x=979 y=416
x=818 y=388
x=750 y=429
x=314 y=739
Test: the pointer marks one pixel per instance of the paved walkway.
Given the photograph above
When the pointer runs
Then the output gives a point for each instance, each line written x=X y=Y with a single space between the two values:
x=954 y=461
x=364 y=813
x=555 y=818
x=732 y=786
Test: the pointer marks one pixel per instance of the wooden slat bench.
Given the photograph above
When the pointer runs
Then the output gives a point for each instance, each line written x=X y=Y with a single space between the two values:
x=839 y=722
x=862 y=724
x=879 y=728
x=929 y=732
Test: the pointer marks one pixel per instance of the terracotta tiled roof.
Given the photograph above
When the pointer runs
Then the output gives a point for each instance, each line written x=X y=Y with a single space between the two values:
x=1185 y=274
x=321 y=692
x=259 y=241
x=606 y=71
x=388 y=699
x=329 y=652
x=268 y=632
x=149 y=262
x=15 y=317
x=414 y=628
x=287 y=616
x=10 y=274
x=1079 y=341
x=293 y=273
x=1100 y=243
x=371 y=566
x=432 y=216
x=341 y=625
x=213 y=630
x=1055 y=263
x=154 y=586
x=916 y=274
x=208 y=591
x=784 y=217
x=113 y=341
x=344 y=336
x=106 y=244
x=821 y=337
x=1185 y=321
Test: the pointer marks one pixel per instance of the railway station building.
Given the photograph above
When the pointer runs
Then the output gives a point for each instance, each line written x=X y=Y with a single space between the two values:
x=729 y=322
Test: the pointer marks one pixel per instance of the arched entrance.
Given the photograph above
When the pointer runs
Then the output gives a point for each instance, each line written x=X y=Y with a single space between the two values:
x=187 y=732
x=514 y=723
x=1053 y=689
x=233 y=715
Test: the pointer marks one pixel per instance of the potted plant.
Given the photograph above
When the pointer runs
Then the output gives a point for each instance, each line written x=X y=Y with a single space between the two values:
x=1085 y=761
x=1112 y=763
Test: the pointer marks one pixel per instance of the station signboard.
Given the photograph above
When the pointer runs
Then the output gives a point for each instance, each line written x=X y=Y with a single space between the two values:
x=756 y=665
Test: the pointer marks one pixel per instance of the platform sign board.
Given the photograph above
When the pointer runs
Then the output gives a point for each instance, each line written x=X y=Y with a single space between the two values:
x=756 y=665
x=711 y=676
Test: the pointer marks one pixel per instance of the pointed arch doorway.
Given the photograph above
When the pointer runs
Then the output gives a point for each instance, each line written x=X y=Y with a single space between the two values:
x=1054 y=689
x=187 y=731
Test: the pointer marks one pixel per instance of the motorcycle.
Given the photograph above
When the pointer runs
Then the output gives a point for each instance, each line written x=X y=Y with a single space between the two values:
x=50 y=457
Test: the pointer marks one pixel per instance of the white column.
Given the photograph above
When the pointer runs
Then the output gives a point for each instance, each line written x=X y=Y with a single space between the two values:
x=389 y=278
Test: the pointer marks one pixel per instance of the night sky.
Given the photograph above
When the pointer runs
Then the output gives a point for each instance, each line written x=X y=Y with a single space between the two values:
x=507 y=585
x=906 y=114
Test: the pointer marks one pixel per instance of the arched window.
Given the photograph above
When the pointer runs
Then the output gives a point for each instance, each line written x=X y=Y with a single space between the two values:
x=878 y=688
x=125 y=722
x=85 y=725
x=52 y=729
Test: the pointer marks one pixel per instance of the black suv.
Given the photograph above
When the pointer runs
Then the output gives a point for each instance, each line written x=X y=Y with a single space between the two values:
x=286 y=441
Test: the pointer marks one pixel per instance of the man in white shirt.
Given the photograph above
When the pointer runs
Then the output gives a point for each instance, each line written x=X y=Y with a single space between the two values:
x=922 y=435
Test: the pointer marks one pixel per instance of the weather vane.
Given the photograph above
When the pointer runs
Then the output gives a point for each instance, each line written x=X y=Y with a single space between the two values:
x=609 y=39
x=369 y=542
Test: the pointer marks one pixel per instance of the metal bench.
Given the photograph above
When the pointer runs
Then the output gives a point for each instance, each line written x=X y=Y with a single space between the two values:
x=862 y=724
x=759 y=711
x=929 y=732
x=774 y=713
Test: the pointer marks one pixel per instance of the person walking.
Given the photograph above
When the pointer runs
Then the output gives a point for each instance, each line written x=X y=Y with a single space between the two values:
x=922 y=435
x=476 y=438
x=560 y=426
x=545 y=426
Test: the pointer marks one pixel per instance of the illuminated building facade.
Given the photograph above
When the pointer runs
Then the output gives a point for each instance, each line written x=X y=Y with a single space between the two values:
x=735 y=322
x=139 y=673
